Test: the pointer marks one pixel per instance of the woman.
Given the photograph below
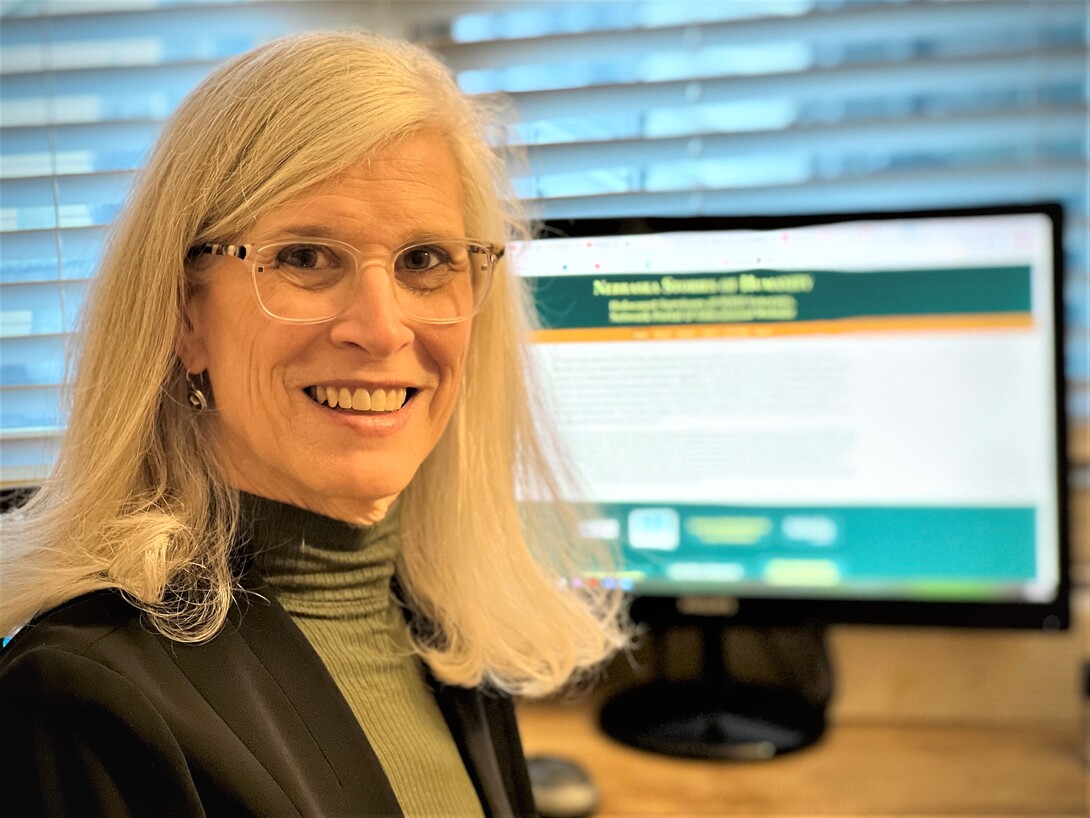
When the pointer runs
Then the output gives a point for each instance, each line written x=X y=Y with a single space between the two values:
x=279 y=568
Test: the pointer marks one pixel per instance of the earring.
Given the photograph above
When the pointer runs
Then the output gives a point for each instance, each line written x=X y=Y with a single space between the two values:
x=195 y=390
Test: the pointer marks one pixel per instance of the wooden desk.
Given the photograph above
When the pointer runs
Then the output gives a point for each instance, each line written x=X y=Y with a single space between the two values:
x=858 y=770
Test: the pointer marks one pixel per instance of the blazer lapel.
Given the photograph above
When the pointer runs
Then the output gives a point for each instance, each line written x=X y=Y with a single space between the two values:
x=270 y=687
x=465 y=713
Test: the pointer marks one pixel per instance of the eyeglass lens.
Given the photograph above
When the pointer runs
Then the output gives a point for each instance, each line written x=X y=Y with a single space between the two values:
x=438 y=281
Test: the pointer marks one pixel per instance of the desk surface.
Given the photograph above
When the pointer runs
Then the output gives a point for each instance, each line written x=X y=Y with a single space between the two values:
x=857 y=770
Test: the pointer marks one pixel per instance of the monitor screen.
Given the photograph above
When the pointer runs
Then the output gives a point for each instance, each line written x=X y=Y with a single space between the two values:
x=856 y=414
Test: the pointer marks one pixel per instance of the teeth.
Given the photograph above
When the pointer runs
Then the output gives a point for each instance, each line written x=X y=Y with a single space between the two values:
x=361 y=400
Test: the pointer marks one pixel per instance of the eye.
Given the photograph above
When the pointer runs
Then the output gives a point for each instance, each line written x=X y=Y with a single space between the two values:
x=308 y=257
x=305 y=265
x=421 y=259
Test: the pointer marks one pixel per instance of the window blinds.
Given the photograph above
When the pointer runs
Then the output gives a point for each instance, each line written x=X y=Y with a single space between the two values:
x=668 y=107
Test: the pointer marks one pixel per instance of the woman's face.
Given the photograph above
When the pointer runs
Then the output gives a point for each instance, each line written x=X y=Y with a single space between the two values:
x=273 y=436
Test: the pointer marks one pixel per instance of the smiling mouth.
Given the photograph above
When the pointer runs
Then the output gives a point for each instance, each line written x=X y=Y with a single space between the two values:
x=374 y=401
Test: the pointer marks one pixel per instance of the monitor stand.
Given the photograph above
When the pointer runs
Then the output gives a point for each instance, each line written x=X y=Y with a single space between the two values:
x=715 y=716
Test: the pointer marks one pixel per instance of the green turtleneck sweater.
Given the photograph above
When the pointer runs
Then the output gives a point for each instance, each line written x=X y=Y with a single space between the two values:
x=334 y=580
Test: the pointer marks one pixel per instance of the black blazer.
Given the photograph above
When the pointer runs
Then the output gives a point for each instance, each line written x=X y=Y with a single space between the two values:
x=99 y=715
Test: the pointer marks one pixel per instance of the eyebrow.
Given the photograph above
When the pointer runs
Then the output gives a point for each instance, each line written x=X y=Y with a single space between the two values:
x=325 y=231
x=315 y=231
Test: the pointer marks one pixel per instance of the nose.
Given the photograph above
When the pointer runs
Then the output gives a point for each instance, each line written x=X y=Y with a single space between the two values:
x=373 y=321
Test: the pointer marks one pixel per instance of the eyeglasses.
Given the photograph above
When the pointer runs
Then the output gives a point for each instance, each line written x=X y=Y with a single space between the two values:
x=309 y=281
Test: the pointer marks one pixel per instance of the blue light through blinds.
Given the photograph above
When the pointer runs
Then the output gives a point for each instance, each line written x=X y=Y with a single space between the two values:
x=796 y=106
x=671 y=107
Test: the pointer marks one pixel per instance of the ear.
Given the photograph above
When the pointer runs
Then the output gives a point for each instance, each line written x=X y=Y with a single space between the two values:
x=191 y=345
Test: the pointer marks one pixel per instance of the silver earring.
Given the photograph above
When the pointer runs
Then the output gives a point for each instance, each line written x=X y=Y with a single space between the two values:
x=195 y=391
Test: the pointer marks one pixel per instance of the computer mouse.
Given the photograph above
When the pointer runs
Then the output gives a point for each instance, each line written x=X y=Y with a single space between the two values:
x=562 y=787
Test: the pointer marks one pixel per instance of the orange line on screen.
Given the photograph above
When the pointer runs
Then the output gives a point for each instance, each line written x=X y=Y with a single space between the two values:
x=676 y=332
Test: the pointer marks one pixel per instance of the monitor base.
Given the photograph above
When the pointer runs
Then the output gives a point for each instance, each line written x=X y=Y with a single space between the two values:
x=696 y=720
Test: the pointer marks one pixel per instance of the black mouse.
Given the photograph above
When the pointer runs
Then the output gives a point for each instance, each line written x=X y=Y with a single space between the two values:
x=562 y=787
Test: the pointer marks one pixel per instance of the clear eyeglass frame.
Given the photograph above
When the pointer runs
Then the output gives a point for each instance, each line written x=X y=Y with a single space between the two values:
x=485 y=254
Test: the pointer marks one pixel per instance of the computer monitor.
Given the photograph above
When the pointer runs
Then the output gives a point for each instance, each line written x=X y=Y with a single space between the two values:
x=845 y=418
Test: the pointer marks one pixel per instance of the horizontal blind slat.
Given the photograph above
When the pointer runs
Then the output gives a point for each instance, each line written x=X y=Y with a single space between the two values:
x=162 y=35
x=34 y=361
x=30 y=412
x=900 y=21
x=1018 y=127
x=885 y=191
x=973 y=74
x=75 y=149
x=42 y=308
x=98 y=95
x=32 y=255
x=83 y=200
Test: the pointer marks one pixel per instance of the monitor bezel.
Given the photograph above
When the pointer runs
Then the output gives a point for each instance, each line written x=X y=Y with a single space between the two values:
x=1046 y=615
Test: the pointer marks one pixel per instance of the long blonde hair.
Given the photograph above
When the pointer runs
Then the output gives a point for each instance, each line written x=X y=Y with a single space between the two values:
x=136 y=501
